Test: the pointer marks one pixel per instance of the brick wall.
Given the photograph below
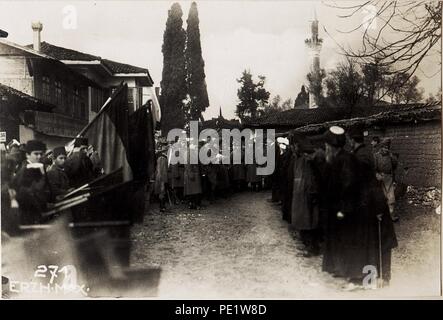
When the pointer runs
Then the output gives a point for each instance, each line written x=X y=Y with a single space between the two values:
x=419 y=147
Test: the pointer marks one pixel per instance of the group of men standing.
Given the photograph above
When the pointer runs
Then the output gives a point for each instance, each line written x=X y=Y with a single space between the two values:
x=193 y=182
x=337 y=202
x=33 y=177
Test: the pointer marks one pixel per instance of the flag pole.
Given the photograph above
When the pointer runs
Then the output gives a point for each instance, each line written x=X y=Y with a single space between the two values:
x=102 y=109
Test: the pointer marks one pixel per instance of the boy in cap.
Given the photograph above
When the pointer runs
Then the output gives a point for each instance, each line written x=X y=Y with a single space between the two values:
x=57 y=177
x=78 y=165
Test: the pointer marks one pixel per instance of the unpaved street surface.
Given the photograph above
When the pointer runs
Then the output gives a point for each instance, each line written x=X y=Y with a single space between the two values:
x=239 y=247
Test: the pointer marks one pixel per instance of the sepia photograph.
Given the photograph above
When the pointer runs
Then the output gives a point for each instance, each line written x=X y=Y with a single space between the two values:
x=221 y=150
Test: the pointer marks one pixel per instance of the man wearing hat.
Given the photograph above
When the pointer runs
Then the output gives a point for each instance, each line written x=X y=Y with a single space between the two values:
x=161 y=176
x=304 y=206
x=385 y=166
x=354 y=213
x=31 y=184
x=362 y=152
x=78 y=166
x=57 y=177
x=34 y=151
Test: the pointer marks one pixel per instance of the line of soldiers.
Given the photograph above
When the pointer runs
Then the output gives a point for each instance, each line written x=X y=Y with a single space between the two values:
x=33 y=177
x=194 y=182
x=336 y=201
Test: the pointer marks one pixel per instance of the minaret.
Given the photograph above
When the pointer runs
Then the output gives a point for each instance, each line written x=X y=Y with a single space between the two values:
x=314 y=44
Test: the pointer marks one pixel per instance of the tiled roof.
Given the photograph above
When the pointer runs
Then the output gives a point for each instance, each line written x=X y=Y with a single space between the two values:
x=296 y=118
x=61 y=53
x=117 y=67
x=221 y=123
x=389 y=115
x=17 y=101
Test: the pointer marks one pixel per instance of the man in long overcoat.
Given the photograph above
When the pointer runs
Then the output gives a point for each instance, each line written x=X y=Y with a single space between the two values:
x=192 y=183
x=304 y=207
x=356 y=213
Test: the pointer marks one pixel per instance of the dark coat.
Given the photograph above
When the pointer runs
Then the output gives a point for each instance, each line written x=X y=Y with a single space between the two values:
x=177 y=176
x=238 y=172
x=222 y=177
x=80 y=169
x=58 y=180
x=161 y=175
x=33 y=196
x=304 y=208
x=352 y=242
x=286 y=184
x=251 y=173
x=192 y=180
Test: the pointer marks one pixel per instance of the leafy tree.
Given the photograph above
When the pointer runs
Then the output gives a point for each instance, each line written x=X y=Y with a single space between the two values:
x=173 y=83
x=287 y=104
x=434 y=98
x=197 y=101
x=253 y=97
x=344 y=86
x=276 y=105
x=275 y=102
x=405 y=89
x=376 y=81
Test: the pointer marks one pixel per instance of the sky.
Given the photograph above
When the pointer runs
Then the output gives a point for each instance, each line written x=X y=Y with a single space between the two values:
x=265 y=37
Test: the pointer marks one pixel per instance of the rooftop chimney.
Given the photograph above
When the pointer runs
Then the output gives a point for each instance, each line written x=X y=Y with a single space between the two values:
x=37 y=27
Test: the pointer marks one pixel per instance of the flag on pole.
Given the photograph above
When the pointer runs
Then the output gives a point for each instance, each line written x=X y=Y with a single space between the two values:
x=108 y=133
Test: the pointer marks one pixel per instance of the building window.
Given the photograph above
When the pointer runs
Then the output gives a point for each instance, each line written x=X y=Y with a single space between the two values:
x=66 y=101
x=83 y=110
x=46 y=88
x=131 y=98
x=76 y=102
x=139 y=97
x=58 y=93
x=96 y=99
x=135 y=98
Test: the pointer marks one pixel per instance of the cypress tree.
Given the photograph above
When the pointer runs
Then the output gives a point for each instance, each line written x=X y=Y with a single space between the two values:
x=173 y=83
x=197 y=101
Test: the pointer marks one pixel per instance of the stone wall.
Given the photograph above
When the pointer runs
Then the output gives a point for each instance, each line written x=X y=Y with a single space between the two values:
x=419 y=149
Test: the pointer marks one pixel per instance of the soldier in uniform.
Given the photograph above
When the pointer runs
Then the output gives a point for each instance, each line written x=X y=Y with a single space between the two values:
x=286 y=185
x=57 y=177
x=192 y=183
x=238 y=171
x=385 y=165
x=78 y=165
x=161 y=178
x=304 y=206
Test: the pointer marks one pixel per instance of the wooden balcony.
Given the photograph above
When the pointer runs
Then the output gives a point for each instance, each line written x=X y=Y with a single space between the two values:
x=54 y=124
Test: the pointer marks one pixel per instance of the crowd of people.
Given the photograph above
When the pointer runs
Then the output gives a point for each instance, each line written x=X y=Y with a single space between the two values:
x=335 y=192
x=191 y=183
x=33 y=178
